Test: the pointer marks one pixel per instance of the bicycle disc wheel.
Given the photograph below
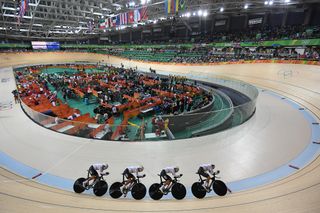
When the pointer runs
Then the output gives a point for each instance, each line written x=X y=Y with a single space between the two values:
x=198 y=190
x=115 y=191
x=178 y=191
x=78 y=185
x=100 y=188
x=138 y=191
x=219 y=188
x=155 y=192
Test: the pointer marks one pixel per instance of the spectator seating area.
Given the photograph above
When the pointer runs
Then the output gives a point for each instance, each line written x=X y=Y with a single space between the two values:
x=146 y=56
x=124 y=98
x=206 y=54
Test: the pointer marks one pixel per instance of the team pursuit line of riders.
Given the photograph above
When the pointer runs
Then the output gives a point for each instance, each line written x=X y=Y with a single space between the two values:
x=169 y=183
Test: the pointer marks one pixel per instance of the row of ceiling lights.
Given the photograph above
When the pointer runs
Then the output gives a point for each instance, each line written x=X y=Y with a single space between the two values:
x=246 y=6
x=271 y=2
x=205 y=13
x=142 y=2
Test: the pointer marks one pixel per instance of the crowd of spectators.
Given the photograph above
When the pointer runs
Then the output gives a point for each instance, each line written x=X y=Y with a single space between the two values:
x=267 y=33
x=201 y=52
x=205 y=54
x=34 y=90
x=260 y=53
x=263 y=34
x=114 y=83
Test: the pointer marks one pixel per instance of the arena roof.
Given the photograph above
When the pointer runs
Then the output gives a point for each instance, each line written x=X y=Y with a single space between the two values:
x=74 y=19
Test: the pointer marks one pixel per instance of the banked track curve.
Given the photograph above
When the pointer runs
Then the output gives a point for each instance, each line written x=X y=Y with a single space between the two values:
x=299 y=192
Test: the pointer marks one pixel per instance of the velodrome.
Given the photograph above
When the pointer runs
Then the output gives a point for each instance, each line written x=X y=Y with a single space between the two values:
x=280 y=140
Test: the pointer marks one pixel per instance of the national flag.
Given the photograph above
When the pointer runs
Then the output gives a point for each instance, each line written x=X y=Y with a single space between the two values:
x=167 y=6
x=107 y=23
x=26 y=4
x=137 y=17
x=173 y=6
x=143 y=13
x=22 y=9
x=102 y=23
x=123 y=18
x=113 y=21
x=182 y=4
x=177 y=2
x=131 y=17
x=118 y=20
x=90 y=25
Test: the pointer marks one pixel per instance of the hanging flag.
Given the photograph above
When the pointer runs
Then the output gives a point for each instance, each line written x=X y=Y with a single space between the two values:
x=137 y=17
x=102 y=23
x=177 y=5
x=172 y=6
x=167 y=6
x=113 y=21
x=90 y=25
x=131 y=17
x=143 y=13
x=182 y=4
x=22 y=9
x=107 y=23
x=118 y=20
x=123 y=18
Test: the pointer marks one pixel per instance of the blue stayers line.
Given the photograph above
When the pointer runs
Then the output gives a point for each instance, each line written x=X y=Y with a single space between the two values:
x=28 y=172
x=307 y=155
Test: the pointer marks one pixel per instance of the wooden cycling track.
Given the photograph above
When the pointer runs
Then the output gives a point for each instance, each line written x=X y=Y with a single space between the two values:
x=299 y=192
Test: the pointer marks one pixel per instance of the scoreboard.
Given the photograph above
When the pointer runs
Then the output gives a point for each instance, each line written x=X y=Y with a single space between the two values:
x=43 y=45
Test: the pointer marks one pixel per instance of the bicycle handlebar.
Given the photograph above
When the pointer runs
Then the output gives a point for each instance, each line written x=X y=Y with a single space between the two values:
x=176 y=177
x=106 y=173
x=141 y=176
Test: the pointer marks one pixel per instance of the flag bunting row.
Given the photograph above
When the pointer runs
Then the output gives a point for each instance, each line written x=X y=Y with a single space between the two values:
x=131 y=17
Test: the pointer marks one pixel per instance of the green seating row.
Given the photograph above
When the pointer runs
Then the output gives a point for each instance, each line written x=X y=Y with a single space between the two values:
x=159 y=56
